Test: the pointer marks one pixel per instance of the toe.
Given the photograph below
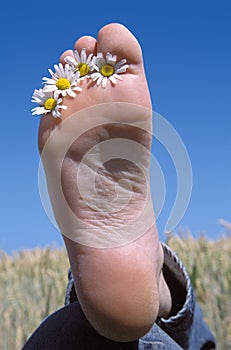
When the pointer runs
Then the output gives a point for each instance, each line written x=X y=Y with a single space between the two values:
x=87 y=42
x=118 y=40
x=65 y=54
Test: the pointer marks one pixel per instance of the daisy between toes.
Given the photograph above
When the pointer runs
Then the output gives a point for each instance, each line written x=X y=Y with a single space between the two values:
x=108 y=69
x=65 y=79
x=81 y=63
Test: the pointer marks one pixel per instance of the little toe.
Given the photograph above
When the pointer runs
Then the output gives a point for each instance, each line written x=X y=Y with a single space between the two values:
x=65 y=54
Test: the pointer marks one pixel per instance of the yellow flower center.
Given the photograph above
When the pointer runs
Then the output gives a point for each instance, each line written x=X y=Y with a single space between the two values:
x=107 y=70
x=63 y=84
x=50 y=104
x=83 y=69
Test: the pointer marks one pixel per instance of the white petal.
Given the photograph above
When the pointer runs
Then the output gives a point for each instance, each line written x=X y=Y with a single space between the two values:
x=38 y=110
x=121 y=69
x=95 y=76
x=117 y=76
x=74 y=80
x=77 y=88
x=63 y=107
x=99 y=80
x=83 y=55
x=57 y=70
x=63 y=92
x=49 y=88
x=92 y=63
x=34 y=110
x=71 y=60
x=96 y=67
x=51 y=72
x=111 y=59
x=77 y=57
x=37 y=96
x=67 y=71
x=104 y=82
x=108 y=56
x=55 y=113
x=113 y=79
x=99 y=61
x=76 y=75
x=38 y=93
x=88 y=61
x=48 y=80
x=120 y=63
x=56 y=94
x=71 y=93
x=62 y=70
x=99 y=54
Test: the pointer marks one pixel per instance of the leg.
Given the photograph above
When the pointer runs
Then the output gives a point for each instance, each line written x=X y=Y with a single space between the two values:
x=69 y=329
x=185 y=327
x=120 y=287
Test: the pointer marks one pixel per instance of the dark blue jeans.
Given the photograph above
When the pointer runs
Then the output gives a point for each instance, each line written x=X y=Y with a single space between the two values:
x=185 y=329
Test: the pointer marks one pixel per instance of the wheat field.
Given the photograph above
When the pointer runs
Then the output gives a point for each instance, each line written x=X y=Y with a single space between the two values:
x=33 y=283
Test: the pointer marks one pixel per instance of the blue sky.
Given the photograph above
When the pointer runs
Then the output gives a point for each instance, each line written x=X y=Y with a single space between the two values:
x=187 y=55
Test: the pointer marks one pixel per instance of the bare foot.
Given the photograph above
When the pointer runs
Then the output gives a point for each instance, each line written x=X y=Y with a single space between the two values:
x=109 y=228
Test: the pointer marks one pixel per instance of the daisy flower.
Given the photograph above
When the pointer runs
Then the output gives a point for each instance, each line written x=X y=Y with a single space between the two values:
x=108 y=69
x=81 y=63
x=63 y=81
x=48 y=102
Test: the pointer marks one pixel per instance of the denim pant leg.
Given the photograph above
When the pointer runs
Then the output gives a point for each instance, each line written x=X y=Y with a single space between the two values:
x=186 y=325
x=157 y=339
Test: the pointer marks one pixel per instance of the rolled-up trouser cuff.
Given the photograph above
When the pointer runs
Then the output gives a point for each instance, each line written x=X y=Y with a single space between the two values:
x=185 y=324
x=178 y=325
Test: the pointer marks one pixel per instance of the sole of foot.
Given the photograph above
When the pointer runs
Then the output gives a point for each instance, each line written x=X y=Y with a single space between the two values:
x=96 y=160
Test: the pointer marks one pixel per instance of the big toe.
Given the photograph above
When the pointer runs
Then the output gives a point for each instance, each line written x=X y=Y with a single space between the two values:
x=118 y=40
